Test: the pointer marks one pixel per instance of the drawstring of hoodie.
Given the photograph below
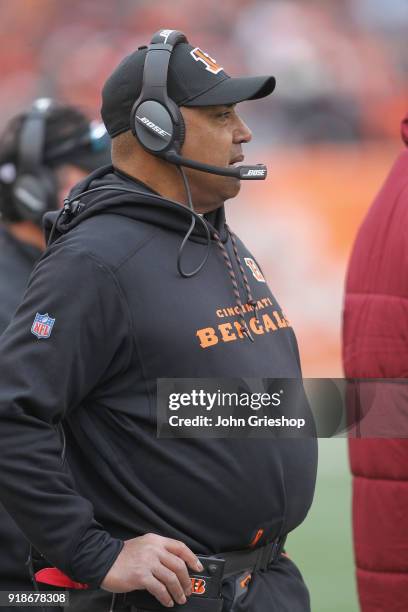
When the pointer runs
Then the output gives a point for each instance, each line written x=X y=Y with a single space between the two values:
x=244 y=327
x=251 y=300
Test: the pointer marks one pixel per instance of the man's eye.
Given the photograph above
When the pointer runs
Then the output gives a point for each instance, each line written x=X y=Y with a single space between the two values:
x=225 y=114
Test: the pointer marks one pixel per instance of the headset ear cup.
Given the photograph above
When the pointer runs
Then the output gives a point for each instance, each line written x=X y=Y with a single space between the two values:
x=34 y=195
x=29 y=197
x=181 y=130
x=133 y=119
x=153 y=126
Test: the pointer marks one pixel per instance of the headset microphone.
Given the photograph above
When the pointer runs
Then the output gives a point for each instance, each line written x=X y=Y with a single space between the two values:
x=257 y=173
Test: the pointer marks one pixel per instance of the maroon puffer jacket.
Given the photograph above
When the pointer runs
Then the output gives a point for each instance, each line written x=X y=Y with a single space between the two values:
x=375 y=345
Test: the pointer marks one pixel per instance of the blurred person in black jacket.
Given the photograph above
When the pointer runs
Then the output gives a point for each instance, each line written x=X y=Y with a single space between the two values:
x=43 y=153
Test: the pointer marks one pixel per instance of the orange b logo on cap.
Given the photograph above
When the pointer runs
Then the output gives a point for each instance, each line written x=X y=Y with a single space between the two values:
x=210 y=64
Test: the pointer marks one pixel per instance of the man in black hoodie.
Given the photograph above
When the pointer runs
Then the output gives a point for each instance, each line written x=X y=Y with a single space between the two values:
x=114 y=305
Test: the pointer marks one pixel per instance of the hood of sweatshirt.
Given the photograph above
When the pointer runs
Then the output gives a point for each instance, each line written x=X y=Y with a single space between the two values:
x=110 y=190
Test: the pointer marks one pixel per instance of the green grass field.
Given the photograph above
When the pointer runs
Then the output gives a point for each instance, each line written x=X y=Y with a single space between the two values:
x=322 y=545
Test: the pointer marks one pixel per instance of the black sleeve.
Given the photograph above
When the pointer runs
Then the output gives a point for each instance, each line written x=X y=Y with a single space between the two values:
x=41 y=379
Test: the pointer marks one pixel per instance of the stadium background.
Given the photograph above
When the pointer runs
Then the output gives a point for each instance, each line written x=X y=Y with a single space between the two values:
x=329 y=135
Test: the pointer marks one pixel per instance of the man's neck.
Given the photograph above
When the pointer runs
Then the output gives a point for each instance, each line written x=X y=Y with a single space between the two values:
x=158 y=176
x=166 y=180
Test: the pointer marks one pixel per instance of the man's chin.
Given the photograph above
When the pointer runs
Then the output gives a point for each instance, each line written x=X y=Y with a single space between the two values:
x=233 y=188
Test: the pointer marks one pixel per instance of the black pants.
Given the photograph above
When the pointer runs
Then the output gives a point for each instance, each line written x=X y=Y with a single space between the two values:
x=279 y=589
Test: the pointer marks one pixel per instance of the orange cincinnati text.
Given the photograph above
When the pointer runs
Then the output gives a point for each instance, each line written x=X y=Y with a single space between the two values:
x=232 y=311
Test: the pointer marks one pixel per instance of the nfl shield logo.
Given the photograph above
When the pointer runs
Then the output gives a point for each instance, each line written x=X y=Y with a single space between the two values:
x=42 y=325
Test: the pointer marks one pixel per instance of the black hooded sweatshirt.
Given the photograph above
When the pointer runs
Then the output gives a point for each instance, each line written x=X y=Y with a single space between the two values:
x=124 y=317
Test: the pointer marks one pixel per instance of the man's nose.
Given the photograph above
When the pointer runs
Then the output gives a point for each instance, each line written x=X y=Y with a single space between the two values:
x=242 y=132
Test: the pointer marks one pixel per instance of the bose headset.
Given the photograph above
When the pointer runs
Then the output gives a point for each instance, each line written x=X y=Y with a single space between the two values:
x=156 y=120
x=35 y=187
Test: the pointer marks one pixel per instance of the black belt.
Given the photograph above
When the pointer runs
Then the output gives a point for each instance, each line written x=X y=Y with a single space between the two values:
x=255 y=560
x=236 y=562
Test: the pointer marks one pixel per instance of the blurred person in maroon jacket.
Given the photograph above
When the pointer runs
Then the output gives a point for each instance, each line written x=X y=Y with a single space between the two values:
x=375 y=345
x=43 y=153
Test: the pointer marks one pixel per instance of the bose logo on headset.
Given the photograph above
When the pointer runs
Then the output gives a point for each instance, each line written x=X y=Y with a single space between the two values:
x=153 y=126
x=259 y=172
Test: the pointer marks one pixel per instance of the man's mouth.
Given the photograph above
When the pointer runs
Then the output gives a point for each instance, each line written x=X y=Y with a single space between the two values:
x=236 y=160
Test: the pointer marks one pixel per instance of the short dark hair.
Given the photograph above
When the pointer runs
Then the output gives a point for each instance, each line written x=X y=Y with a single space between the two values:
x=62 y=122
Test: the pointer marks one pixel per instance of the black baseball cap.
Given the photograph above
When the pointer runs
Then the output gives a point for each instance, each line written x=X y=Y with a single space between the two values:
x=194 y=79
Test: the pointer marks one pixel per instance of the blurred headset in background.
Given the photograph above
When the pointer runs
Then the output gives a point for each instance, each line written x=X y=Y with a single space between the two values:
x=34 y=145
